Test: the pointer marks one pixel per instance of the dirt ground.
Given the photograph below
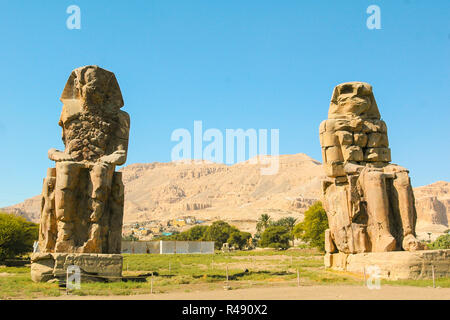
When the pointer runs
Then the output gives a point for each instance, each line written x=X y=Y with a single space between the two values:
x=290 y=293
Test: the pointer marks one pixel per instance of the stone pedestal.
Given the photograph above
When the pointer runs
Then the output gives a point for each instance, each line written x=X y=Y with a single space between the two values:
x=394 y=265
x=93 y=267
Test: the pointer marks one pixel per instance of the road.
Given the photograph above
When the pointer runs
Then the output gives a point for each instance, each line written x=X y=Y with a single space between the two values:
x=291 y=293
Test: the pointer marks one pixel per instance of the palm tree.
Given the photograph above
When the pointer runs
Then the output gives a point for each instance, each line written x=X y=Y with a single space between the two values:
x=263 y=222
x=289 y=223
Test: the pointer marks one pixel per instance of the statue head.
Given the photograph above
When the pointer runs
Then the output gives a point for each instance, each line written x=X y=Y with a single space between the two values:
x=92 y=88
x=353 y=99
x=90 y=114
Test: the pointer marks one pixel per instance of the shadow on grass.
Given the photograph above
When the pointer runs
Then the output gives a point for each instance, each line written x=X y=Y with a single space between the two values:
x=17 y=262
x=246 y=273
x=140 y=277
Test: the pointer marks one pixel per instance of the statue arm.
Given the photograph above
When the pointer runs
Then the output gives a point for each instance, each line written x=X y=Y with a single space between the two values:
x=118 y=158
x=57 y=155
x=120 y=140
x=352 y=168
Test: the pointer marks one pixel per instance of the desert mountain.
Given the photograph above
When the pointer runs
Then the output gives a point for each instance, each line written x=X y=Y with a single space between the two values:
x=239 y=193
x=433 y=207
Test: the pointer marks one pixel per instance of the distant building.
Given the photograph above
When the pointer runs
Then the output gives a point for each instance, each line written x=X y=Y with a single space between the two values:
x=178 y=222
x=155 y=229
x=190 y=220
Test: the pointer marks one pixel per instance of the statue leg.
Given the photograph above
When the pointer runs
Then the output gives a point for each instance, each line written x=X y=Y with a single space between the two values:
x=48 y=226
x=116 y=203
x=374 y=186
x=67 y=175
x=407 y=210
x=101 y=179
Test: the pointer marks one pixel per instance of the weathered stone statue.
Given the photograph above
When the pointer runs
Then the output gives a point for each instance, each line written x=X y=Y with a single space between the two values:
x=83 y=196
x=368 y=200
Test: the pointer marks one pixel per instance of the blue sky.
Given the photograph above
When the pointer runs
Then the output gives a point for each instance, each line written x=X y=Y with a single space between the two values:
x=232 y=64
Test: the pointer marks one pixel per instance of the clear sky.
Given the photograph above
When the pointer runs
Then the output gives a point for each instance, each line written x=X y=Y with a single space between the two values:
x=232 y=64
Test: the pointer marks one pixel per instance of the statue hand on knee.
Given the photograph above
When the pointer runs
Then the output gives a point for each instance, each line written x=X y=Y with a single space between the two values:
x=57 y=155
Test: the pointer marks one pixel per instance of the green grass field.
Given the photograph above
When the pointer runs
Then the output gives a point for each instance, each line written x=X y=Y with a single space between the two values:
x=188 y=272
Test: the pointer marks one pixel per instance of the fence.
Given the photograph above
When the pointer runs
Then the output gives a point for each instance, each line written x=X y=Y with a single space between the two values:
x=168 y=247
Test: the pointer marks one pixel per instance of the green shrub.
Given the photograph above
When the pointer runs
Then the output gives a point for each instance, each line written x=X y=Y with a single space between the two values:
x=312 y=228
x=443 y=242
x=275 y=237
x=17 y=235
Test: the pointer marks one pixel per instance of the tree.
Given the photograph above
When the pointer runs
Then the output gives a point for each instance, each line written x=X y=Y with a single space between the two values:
x=312 y=228
x=239 y=239
x=196 y=233
x=275 y=237
x=443 y=242
x=289 y=223
x=263 y=222
x=17 y=235
x=219 y=232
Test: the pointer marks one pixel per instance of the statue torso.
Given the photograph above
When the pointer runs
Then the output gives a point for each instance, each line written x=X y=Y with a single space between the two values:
x=87 y=136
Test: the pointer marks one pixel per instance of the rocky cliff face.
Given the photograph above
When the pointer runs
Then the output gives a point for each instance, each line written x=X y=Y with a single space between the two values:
x=433 y=205
x=238 y=194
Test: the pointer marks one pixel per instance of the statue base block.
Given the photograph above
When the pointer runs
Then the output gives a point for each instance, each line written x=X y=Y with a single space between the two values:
x=394 y=265
x=93 y=266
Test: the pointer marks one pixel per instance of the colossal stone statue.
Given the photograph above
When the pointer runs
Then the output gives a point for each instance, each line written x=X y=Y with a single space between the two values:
x=83 y=196
x=369 y=201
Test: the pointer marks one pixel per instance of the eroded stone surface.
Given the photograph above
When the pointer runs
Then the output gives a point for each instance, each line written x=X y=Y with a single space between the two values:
x=368 y=200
